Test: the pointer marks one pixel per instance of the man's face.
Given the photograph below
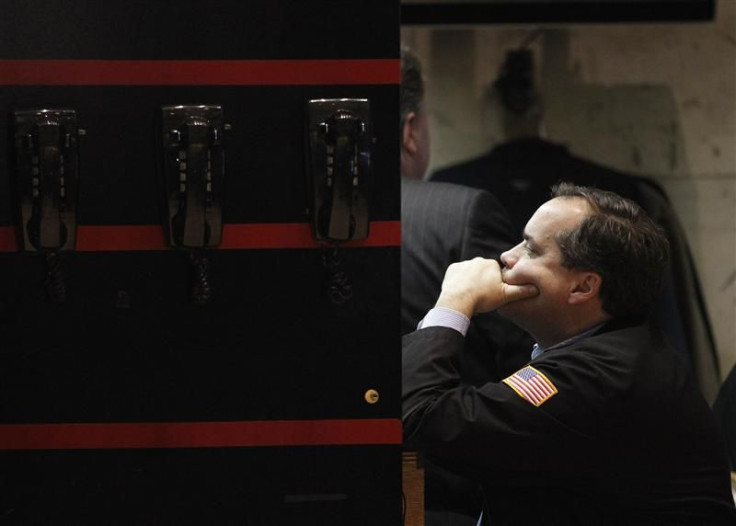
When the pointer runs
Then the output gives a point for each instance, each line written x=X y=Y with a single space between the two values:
x=538 y=261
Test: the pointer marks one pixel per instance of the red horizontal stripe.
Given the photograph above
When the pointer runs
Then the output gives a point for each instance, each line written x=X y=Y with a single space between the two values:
x=8 y=242
x=197 y=72
x=299 y=235
x=100 y=238
x=200 y=434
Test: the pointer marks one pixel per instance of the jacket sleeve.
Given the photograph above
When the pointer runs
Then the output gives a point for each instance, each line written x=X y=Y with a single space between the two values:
x=489 y=429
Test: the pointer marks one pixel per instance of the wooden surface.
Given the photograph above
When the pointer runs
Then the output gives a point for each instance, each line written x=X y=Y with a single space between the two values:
x=413 y=488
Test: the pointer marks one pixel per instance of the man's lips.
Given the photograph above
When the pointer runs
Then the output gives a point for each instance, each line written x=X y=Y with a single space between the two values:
x=504 y=275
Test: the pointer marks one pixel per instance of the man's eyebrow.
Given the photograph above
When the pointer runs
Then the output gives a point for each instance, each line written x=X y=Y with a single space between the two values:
x=528 y=238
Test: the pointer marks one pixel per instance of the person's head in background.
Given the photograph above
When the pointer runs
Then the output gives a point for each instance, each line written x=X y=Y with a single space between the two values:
x=414 y=128
x=514 y=105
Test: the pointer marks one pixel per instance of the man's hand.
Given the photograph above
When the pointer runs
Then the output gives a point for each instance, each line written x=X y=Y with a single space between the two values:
x=476 y=286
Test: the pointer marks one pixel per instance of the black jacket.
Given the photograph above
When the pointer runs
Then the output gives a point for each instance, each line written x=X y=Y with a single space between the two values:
x=627 y=439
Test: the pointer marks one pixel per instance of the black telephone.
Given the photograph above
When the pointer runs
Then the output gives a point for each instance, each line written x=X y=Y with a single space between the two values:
x=193 y=175
x=339 y=168
x=46 y=166
x=339 y=179
x=47 y=175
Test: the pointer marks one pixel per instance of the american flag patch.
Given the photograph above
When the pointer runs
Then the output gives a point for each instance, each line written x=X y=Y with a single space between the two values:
x=531 y=385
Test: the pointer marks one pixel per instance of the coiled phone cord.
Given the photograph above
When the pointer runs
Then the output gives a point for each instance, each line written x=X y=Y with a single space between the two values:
x=55 y=286
x=201 y=288
x=339 y=289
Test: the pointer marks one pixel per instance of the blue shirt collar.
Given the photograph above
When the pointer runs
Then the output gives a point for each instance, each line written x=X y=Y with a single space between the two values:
x=537 y=350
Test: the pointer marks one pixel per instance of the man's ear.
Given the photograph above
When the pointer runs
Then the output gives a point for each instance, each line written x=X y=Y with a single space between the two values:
x=408 y=133
x=587 y=287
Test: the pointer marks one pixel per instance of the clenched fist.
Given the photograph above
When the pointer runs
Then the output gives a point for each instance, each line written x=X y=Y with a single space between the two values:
x=476 y=285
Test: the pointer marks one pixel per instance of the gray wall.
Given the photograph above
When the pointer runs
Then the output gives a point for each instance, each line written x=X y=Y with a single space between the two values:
x=651 y=99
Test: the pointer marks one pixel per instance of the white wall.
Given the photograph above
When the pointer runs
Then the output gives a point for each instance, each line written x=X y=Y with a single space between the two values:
x=651 y=99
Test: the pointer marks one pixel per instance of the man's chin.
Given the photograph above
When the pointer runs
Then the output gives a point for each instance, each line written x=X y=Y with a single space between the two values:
x=513 y=309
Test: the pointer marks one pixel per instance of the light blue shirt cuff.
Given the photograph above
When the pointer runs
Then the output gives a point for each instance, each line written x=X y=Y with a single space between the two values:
x=443 y=317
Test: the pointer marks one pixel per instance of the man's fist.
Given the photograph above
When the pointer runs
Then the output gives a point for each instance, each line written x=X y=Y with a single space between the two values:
x=475 y=286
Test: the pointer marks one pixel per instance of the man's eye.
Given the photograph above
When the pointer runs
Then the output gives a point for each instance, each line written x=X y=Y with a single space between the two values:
x=529 y=250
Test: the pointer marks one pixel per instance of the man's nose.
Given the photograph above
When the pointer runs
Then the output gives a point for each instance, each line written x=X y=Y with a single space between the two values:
x=509 y=258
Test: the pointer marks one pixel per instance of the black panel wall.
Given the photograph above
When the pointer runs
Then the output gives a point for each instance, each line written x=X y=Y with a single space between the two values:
x=128 y=345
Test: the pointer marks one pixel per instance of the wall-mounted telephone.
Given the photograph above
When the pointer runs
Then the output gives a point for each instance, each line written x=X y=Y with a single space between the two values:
x=340 y=140
x=193 y=174
x=46 y=178
x=46 y=166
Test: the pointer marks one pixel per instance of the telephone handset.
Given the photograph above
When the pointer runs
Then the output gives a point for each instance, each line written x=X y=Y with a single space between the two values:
x=340 y=140
x=339 y=137
x=193 y=174
x=46 y=166
x=46 y=169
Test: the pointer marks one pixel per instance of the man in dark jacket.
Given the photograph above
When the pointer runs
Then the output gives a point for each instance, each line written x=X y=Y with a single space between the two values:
x=604 y=425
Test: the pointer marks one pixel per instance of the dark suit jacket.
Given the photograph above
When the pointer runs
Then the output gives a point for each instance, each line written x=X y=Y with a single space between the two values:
x=520 y=174
x=626 y=438
x=442 y=224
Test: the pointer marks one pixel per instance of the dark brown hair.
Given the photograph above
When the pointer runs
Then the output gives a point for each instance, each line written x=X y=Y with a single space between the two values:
x=620 y=242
